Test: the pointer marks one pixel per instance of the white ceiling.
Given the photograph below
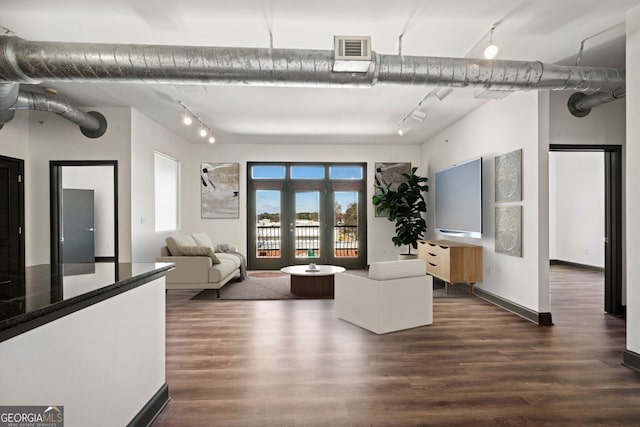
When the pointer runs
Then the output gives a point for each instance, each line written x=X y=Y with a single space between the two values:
x=544 y=30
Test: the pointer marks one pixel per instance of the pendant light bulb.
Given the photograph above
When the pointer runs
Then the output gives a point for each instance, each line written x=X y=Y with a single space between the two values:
x=186 y=119
x=211 y=139
x=203 y=132
x=491 y=51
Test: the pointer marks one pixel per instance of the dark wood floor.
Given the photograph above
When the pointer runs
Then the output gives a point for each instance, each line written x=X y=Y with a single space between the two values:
x=286 y=363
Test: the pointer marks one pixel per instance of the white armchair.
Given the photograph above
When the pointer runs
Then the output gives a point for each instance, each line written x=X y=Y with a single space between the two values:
x=397 y=295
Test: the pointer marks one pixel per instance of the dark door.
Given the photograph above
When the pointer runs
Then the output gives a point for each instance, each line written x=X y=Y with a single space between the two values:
x=11 y=237
x=78 y=243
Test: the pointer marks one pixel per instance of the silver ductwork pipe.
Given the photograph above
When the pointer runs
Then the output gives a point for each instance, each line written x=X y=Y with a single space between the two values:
x=8 y=96
x=25 y=61
x=92 y=124
x=32 y=62
x=580 y=104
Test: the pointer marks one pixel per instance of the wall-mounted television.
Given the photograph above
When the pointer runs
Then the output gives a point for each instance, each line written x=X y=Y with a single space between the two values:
x=458 y=204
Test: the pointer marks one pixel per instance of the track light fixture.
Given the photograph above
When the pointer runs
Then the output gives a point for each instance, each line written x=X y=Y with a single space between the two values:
x=188 y=117
x=202 y=131
x=491 y=51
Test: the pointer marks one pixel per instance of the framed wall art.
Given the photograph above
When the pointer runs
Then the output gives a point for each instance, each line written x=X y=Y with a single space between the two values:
x=219 y=187
x=390 y=173
x=508 y=177
x=509 y=230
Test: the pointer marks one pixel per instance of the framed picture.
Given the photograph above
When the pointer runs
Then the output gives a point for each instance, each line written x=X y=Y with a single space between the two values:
x=508 y=177
x=390 y=173
x=219 y=187
x=509 y=230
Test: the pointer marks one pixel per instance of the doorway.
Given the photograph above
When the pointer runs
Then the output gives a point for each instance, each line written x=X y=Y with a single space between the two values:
x=612 y=221
x=301 y=213
x=84 y=211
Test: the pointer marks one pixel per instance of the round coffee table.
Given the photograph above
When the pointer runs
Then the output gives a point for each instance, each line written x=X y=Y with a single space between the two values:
x=314 y=284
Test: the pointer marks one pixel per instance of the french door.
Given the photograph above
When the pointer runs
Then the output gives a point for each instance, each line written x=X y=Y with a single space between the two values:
x=301 y=213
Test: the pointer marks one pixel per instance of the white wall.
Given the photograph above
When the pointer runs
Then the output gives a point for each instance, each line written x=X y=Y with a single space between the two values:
x=14 y=137
x=146 y=137
x=379 y=230
x=632 y=180
x=604 y=125
x=53 y=138
x=577 y=234
x=100 y=180
x=499 y=127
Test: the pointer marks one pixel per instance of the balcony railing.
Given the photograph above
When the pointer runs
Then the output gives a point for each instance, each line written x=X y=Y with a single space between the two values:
x=307 y=241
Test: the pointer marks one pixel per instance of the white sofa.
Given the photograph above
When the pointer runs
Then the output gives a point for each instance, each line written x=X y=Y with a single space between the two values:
x=198 y=271
x=396 y=295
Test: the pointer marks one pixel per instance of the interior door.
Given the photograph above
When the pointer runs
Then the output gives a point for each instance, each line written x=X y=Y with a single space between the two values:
x=78 y=244
x=11 y=237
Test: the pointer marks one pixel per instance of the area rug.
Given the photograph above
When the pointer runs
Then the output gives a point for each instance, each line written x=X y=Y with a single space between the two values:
x=274 y=285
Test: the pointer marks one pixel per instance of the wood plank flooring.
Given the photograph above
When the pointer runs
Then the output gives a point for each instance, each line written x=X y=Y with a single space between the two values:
x=292 y=363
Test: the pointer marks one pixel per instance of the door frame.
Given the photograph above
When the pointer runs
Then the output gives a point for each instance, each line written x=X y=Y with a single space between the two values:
x=613 y=221
x=286 y=186
x=55 y=207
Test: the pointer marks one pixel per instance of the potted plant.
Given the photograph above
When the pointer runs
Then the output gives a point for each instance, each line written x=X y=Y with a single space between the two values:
x=405 y=206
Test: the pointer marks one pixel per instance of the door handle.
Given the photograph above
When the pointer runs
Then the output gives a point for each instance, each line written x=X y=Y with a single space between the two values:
x=90 y=229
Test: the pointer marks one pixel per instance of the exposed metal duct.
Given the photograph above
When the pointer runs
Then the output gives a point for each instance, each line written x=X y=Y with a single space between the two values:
x=92 y=124
x=580 y=104
x=23 y=61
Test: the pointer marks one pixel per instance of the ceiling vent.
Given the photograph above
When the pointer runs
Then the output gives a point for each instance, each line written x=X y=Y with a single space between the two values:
x=352 y=54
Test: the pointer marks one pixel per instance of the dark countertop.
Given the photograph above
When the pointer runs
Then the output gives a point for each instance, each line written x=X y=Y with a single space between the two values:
x=44 y=293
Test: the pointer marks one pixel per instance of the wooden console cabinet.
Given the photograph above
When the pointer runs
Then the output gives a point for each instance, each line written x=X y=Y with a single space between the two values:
x=453 y=262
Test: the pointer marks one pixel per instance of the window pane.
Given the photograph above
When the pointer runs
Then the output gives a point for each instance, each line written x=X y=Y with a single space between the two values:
x=167 y=180
x=267 y=224
x=268 y=172
x=307 y=172
x=345 y=172
x=345 y=224
x=308 y=224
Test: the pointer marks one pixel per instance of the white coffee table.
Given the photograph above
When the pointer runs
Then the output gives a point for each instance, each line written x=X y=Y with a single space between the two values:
x=313 y=284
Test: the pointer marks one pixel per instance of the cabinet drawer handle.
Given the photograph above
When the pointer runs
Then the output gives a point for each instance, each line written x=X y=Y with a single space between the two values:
x=444 y=247
x=432 y=245
x=432 y=254
x=433 y=265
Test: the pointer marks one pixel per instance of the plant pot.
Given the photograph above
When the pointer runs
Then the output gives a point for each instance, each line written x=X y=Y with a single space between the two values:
x=407 y=256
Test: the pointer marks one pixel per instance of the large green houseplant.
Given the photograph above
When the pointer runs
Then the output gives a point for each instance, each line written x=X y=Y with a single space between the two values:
x=404 y=205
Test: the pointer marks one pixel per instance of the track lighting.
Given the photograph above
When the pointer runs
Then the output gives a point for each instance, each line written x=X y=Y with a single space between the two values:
x=188 y=117
x=491 y=51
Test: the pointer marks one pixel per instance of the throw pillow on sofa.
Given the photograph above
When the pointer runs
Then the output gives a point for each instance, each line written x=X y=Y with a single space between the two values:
x=200 y=251
x=176 y=242
x=202 y=239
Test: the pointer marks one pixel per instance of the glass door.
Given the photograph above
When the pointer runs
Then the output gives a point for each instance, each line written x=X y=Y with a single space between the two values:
x=302 y=213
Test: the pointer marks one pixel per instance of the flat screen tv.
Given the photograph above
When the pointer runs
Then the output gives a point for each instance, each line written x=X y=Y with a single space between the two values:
x=458 y=204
